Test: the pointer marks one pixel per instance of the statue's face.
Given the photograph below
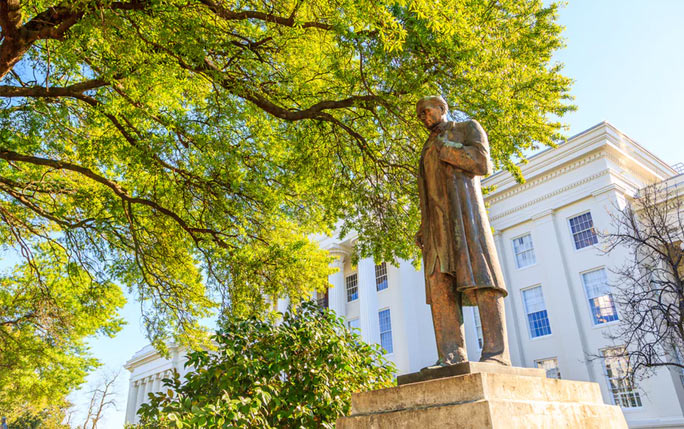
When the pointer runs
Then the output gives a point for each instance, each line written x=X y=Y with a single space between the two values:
x=430 y=115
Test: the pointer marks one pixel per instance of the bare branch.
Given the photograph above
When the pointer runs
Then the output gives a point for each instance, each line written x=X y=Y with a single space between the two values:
x=650 y=286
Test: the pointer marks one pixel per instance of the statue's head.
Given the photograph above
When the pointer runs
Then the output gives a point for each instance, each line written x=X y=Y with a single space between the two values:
x=432 y=110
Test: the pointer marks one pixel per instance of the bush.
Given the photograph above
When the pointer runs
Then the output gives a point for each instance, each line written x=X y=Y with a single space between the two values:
x=299 y=373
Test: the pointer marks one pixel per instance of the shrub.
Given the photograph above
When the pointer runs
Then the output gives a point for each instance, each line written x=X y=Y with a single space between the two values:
x=298 y=373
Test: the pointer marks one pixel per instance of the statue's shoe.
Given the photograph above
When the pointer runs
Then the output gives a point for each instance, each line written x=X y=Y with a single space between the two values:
x=497 y=358
x=441 y=364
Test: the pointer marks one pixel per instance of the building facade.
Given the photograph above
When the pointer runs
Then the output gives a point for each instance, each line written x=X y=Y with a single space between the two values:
x=560 y=303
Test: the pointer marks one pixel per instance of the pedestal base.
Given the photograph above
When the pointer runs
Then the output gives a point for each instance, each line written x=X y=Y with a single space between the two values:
x=499 y=400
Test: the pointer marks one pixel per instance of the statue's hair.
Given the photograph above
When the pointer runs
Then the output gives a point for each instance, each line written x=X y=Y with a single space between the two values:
x=435 y=100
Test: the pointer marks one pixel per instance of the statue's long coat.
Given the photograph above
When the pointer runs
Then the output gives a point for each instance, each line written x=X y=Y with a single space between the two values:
x=455 y=229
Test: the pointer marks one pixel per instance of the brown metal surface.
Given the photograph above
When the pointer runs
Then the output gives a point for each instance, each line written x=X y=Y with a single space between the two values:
x=460 y=260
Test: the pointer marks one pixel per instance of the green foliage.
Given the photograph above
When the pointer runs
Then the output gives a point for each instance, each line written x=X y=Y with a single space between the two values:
x=187 y=149
x=51 y=417
x=298 y=373
x=44 y=321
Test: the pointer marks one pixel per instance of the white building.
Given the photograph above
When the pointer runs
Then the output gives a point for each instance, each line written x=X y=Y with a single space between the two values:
x=559 y=305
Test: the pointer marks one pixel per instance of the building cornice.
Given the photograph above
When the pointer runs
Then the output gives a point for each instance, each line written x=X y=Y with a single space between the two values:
x=339 y=249
x=548 y=195
x=147 y=354
x=495 y=197
x=553 y=162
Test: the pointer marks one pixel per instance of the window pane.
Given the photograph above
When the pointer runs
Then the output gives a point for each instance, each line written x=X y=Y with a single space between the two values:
x=537 y=317
x=381 y=276
x=524 y=251
x=550 y=366
x=600 y=298
x=352 y=282
x=603 y=309
x=539 y=324
x=385 y=321
x=322 y=298
x=354 y=324
x=583 y=232
x=621 y=387
x=534 y=300
x=385 y=330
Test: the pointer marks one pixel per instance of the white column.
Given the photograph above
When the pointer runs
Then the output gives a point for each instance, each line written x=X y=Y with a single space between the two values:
x=147 y=385
x=515 y=345
x=141 y=397
x=368 y=302
x=337 y=294
x=156 y=385
x=131 y=402
x=573 y=327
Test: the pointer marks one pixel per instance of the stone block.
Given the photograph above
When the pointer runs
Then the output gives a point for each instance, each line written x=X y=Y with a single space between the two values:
x=467 y=368
x=482 y=400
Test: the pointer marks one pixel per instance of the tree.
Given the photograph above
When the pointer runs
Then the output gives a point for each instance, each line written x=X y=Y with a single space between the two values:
x=187 y=149
x=53 y=416
x=102 y=398
x=650 y=285
x=44 y=322
x=298 y=373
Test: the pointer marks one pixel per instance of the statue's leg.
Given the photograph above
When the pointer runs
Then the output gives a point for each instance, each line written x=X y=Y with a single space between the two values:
x=447 y=318
x=492 y=314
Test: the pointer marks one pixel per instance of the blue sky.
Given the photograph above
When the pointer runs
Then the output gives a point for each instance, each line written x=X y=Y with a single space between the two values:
x=627 y=61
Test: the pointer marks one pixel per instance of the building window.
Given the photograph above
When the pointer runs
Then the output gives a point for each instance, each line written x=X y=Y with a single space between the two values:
x=583 y=232
x=524 y=251
x=322 y=298
x=600 y=299
x=381 y=277
x=621 y=386
x=537 y=318
x=352 y=283
x=386 y=330
x=550 y=366
x=478 y=326
x=354 y=324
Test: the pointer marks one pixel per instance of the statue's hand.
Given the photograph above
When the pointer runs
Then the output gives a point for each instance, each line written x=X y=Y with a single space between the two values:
x=444 y=138
x=455 y=145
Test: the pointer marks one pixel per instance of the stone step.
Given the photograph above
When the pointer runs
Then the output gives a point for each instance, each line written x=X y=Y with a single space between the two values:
x=470 y=388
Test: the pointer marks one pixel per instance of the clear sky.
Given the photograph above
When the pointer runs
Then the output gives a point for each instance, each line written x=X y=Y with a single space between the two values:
x=627 y=60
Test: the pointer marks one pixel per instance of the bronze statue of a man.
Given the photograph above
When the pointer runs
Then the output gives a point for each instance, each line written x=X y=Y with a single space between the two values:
x=460 y=260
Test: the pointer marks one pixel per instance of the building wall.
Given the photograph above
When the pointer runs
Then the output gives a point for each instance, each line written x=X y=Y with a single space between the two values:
x=594 y=172
x=148 y=369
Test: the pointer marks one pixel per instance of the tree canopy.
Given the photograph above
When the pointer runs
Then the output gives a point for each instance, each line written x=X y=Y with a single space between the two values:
x=187 y=149
x=44 y=323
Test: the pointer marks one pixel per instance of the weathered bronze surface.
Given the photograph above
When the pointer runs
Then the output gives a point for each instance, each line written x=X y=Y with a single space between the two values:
x=460 y=260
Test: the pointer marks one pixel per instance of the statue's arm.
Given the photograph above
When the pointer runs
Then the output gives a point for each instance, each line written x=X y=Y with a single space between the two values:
x=473 y=155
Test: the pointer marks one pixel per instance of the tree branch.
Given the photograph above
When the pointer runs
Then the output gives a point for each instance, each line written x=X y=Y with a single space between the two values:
x=53 y=23
x=262 y=16
x=116 y=188
x=74 y=90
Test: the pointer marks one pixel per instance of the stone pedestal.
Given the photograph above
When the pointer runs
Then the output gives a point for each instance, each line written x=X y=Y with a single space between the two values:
x=484 y=396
